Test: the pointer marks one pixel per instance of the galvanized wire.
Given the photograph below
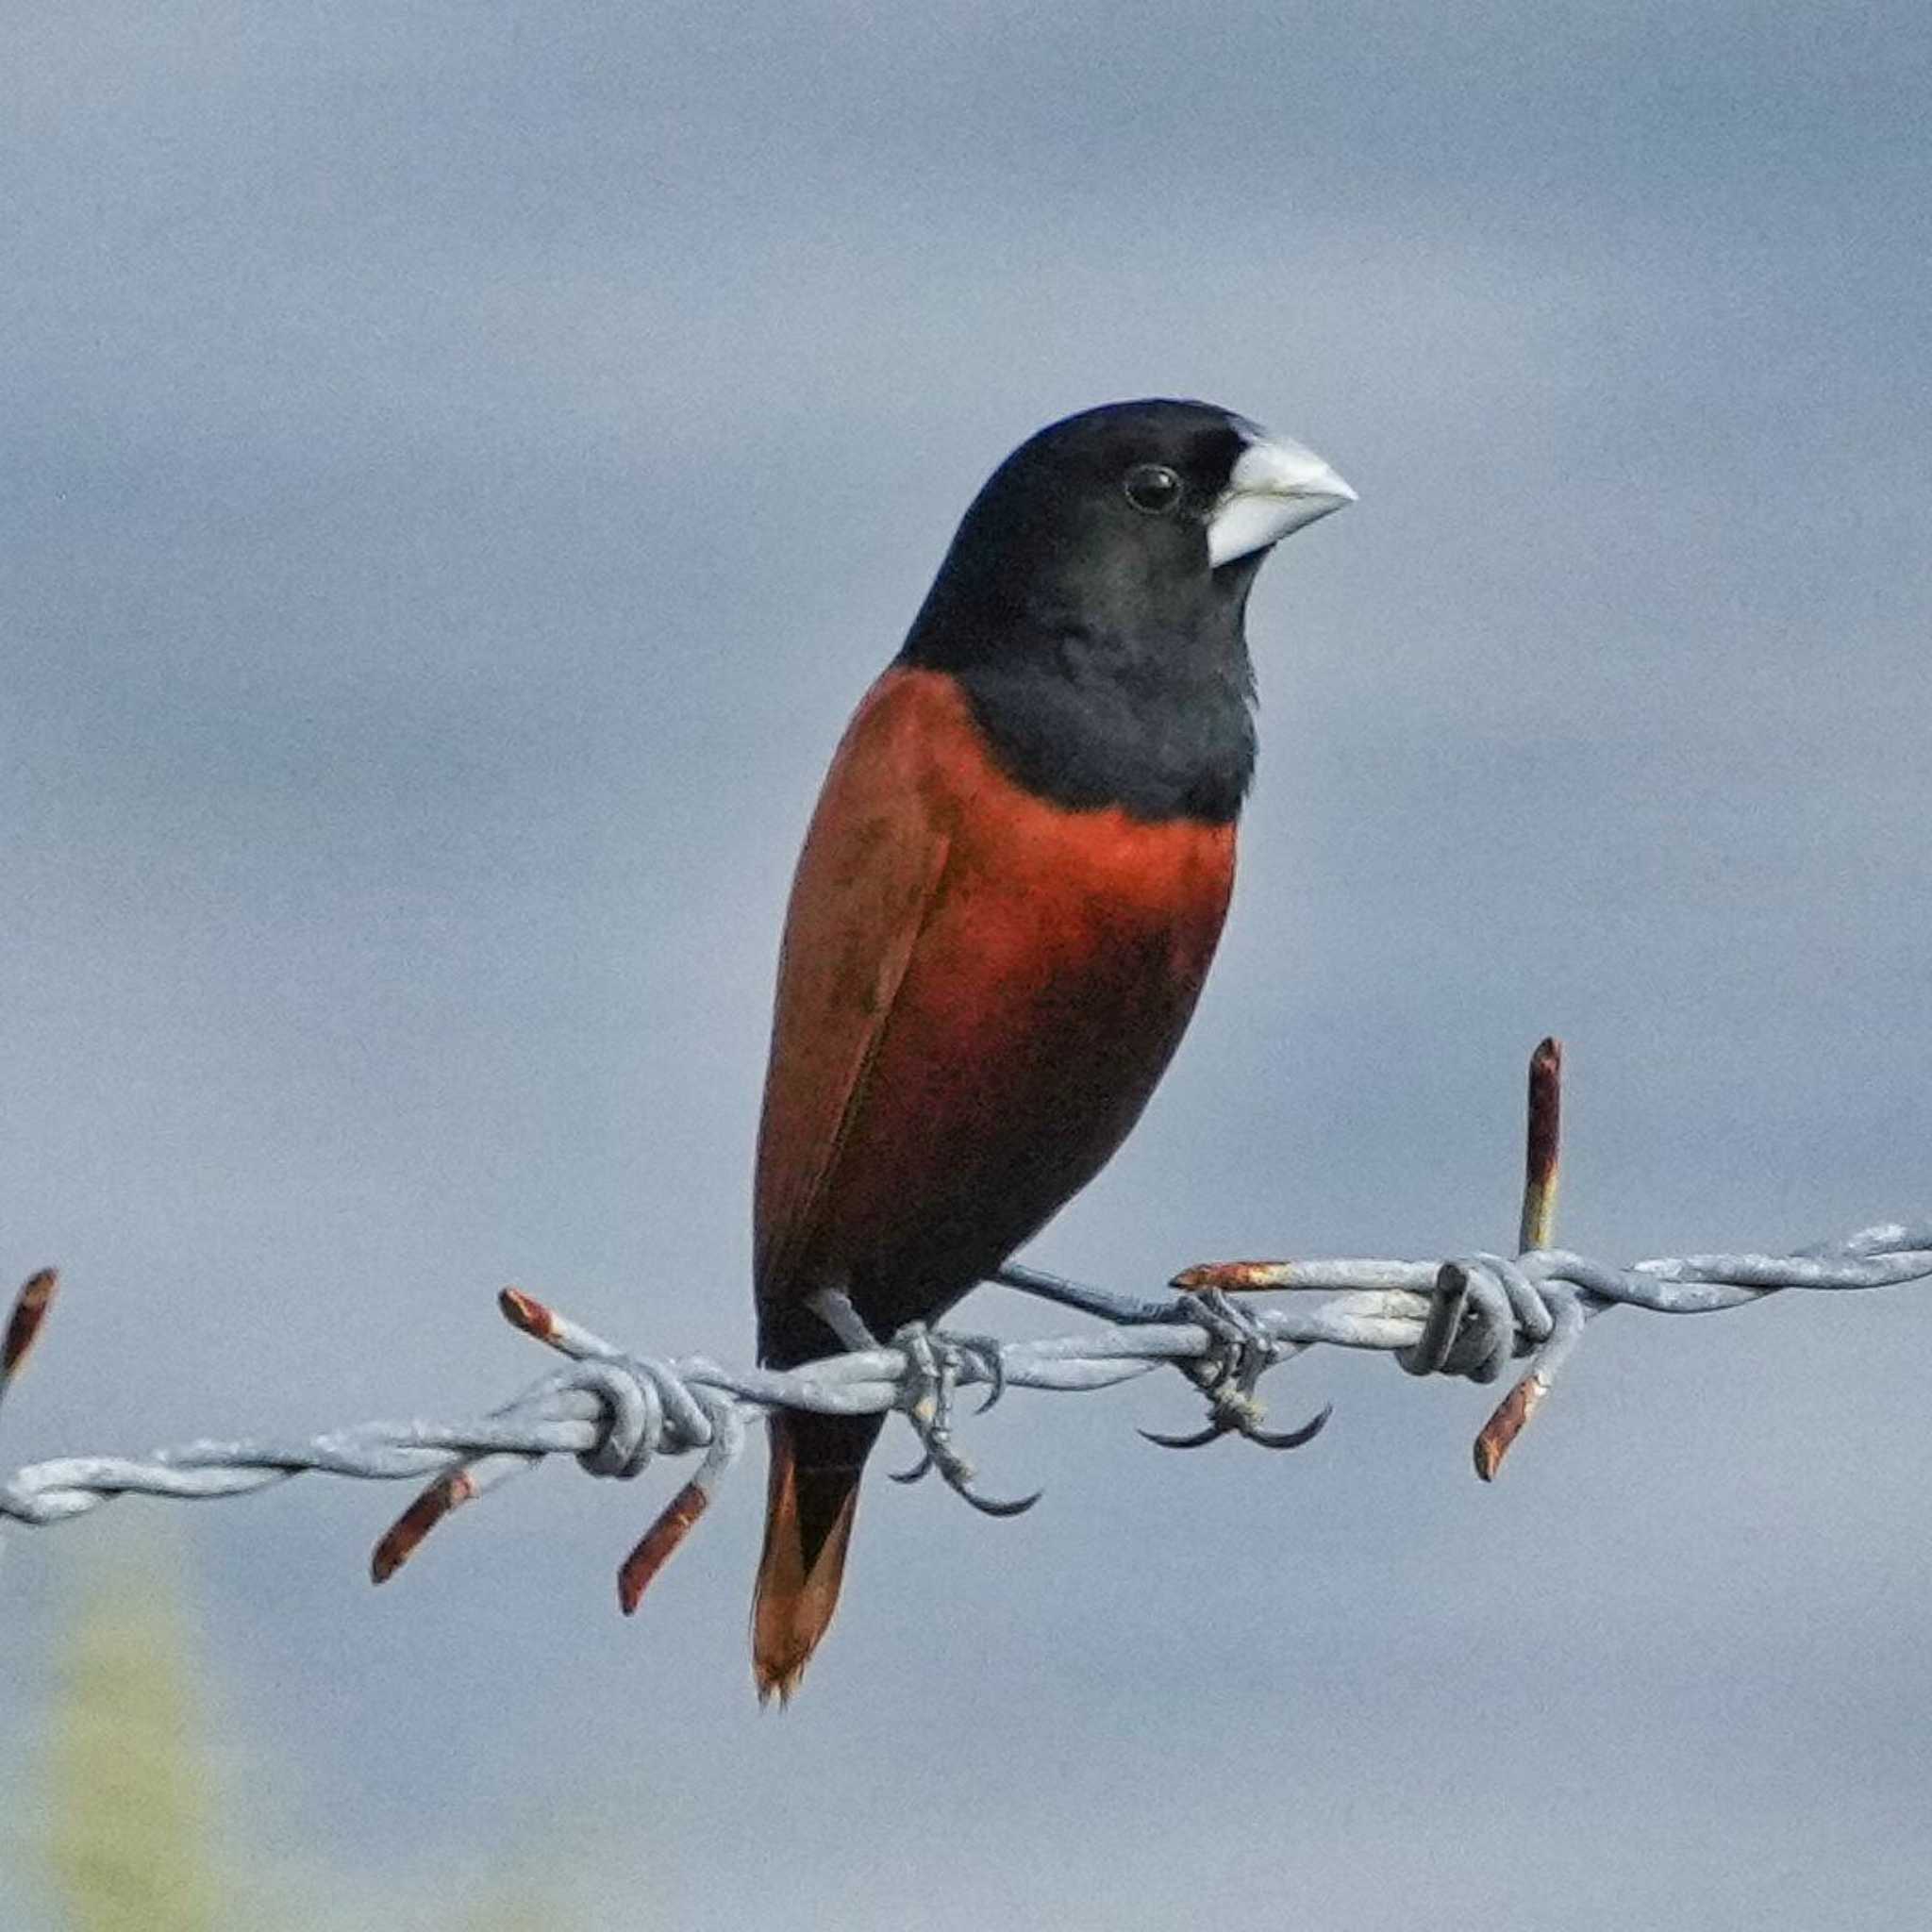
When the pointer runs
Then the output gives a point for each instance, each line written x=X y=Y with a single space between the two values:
x=1468 y=1316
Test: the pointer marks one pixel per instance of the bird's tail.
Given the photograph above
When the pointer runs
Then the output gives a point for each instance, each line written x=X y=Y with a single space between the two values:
x=813 y=1492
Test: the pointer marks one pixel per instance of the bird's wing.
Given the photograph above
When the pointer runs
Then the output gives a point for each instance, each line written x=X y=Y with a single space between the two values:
x=868 y=881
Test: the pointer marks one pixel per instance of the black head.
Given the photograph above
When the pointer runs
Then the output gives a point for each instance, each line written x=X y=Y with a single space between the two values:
x=1092 y=603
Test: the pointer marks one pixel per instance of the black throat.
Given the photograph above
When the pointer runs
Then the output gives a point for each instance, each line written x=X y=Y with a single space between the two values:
x=1117 y=698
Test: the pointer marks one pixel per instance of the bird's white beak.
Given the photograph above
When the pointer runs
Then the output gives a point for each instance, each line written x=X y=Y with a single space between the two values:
x=1276 y=486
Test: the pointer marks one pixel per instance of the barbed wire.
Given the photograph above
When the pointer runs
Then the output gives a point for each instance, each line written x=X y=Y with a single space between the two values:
x=1469 y=1316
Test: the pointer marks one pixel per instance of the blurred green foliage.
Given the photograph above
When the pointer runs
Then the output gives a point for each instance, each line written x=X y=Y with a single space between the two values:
x=137 y=1836
x=128 y=1775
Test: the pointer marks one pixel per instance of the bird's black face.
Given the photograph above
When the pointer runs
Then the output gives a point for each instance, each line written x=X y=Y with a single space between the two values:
x=1115 y=505
x=1129 y=518
x=1091 y=601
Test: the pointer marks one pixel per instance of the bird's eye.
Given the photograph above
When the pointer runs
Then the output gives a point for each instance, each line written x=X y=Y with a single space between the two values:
x=1152 y=488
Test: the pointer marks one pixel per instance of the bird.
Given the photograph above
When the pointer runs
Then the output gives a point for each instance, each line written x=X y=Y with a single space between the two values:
x=1008 y=897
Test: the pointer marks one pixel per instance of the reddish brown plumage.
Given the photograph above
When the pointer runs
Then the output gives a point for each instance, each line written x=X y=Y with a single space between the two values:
x=1007 y=901
x=979 y=989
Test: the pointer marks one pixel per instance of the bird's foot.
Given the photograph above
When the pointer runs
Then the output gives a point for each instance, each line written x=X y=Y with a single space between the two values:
x=935 y=1361
x=1241 y=1352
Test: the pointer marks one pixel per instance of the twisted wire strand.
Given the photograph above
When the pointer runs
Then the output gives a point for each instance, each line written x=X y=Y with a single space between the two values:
x=1469 y=1316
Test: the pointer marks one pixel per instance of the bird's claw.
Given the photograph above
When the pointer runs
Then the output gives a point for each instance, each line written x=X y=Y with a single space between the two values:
x=934 y=1360
x=984 y=1351
x=1241 y=1354
x=1199 y=1439
x=1226 y=1424
x=1292 y=1439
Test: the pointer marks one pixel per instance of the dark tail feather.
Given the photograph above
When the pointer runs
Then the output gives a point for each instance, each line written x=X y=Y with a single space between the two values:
x=810 y=1503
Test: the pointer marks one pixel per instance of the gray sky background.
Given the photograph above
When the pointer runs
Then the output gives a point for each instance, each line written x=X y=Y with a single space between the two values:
x=459 y=464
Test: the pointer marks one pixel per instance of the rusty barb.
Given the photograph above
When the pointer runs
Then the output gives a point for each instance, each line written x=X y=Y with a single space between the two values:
x=1470 y=1316
x=31 y=1307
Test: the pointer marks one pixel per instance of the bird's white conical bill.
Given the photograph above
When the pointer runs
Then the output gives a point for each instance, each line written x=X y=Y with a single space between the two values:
x=1276 y=486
